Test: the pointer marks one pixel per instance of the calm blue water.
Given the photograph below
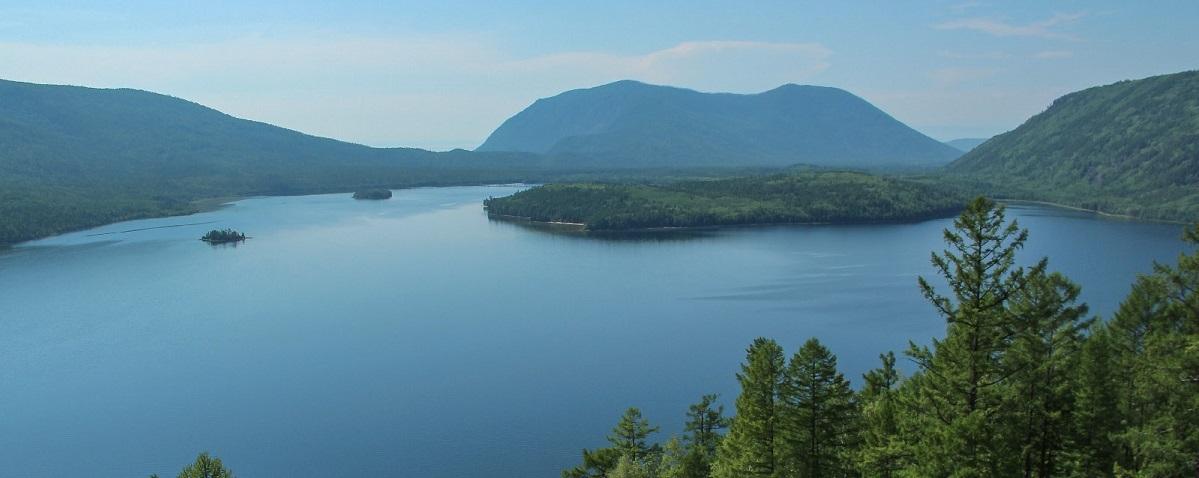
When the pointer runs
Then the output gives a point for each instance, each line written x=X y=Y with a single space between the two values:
x=414 y=337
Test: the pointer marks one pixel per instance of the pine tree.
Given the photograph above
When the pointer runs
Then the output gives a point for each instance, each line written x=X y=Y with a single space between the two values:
x=206 y=466
x=1155 y=333
x=751 y=448
x=882 y=452
x=1091 y=451
x=1044 y=358
x=631 y=434
x=819 y=415
x=704 y=422
x=962 y=377
x=629 y=439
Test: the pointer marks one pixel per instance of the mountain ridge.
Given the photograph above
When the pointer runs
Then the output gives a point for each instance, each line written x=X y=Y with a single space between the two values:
x=1130 y=147
x=634 y=123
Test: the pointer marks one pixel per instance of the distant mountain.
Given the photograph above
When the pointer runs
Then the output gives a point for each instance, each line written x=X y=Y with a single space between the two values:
x=966 y=144
x=628 y=123
x=74 y=157
x=1130 y=148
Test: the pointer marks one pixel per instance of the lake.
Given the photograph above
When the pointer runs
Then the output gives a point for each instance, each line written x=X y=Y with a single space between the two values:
x=416 y=337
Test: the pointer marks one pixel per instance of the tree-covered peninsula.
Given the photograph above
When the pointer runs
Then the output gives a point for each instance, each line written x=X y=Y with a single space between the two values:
x=795 y=198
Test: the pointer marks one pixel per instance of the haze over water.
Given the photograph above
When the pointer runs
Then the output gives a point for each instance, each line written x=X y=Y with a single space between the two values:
x=415 y=337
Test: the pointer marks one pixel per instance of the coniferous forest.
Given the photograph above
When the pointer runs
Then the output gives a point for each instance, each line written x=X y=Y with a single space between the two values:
x=798 y=197
x=1024 y=383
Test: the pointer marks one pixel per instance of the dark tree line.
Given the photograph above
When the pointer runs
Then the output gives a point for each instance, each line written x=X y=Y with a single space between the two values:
x=804 y=197
x=1024 y=383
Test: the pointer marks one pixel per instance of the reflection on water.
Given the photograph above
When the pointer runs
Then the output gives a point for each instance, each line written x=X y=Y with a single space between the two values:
x=578 y=231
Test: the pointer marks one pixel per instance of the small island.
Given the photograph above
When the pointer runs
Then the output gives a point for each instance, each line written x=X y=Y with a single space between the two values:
x=373 y=194
x=223 y=236
x=806 y=197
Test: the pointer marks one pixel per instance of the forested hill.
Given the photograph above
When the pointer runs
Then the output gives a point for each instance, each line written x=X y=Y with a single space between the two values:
x=634 y=124
x=72 y=157
x=1131 y=148
x=803 y=197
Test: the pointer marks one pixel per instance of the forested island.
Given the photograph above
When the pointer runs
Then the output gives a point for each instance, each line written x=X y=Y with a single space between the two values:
x=373 y=194
x=1024 y=383
x=794 y=198
x=223 y=236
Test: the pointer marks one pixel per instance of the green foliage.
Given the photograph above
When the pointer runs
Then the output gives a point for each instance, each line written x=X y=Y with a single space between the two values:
x=1043 y=358
x=630 y=446
x=221 y=236
x=373 y=193
x=206 y=466
x=805 y=197
x=1127 y=148
x=754 y=445
x=961 y=389
x=629 y=438
x=819 y=416
x=882 y=453
x=1156 y=371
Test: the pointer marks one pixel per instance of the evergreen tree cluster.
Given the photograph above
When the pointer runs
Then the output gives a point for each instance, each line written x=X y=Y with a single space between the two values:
x=1024 y=383
x=796 y=197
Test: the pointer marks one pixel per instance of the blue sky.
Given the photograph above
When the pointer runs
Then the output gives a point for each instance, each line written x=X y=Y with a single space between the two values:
x=443 y=74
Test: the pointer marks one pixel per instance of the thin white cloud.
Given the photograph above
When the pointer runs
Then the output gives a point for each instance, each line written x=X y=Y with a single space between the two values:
x=415 y=91
x=1053 y=54
x=1042 y=29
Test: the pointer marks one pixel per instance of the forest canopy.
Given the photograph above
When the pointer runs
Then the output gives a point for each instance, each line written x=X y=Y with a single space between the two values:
x=800 y=197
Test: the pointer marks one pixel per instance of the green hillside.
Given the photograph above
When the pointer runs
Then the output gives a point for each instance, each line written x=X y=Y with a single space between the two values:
x=73 y=157
x=1127 y=148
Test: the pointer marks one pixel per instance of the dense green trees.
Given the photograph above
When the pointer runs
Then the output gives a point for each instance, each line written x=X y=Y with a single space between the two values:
x=754 y=445
x=1127 y=148
x=800 y=197
x=1023 y=383
x=221 y=236
x=819 y=415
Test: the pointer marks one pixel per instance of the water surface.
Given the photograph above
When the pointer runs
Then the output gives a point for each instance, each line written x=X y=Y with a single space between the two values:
x=414 y=337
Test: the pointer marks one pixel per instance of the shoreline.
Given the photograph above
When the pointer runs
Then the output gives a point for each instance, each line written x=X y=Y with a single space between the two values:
x=1111 y=215
x=582 y=227
x=218 y=202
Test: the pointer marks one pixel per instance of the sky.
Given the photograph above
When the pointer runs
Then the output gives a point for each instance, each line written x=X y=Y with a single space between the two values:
x=441 y=75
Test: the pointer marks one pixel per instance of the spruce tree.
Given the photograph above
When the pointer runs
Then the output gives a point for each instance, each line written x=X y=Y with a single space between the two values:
x=881 y=453
x=630 y=441
x=1156 y=341
x=819 y=415
x=1091 y=451
x=630 y=437
x=752 y=447
x=962 y=376
x=705 y=419
x=1044 y=359
x=206 y=466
